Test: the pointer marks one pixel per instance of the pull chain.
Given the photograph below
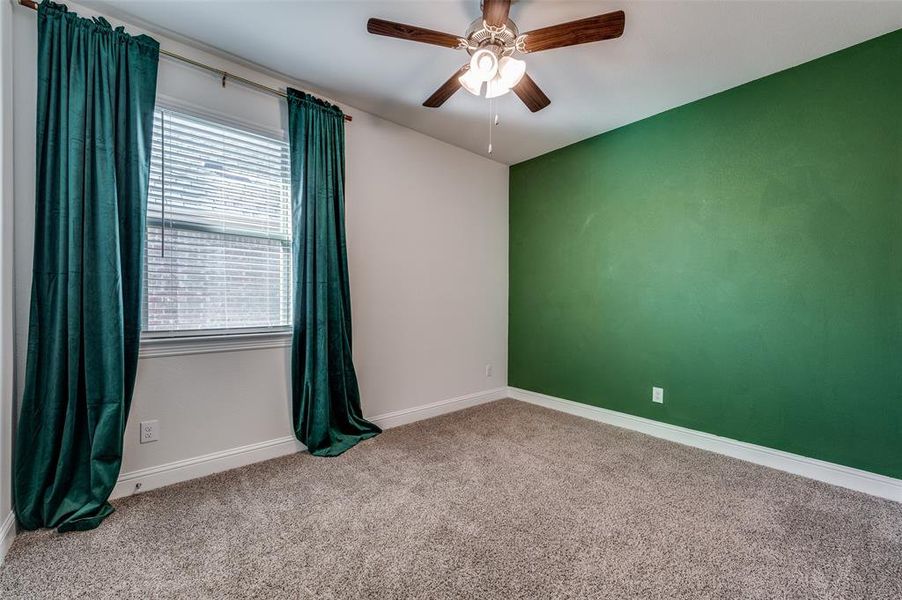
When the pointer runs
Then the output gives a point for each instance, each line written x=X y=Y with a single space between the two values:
x=491 y=103
x=494 y=121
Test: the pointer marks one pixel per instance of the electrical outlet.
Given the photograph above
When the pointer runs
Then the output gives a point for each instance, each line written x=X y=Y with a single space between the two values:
x=488 y=369
x=150 y=431
x=657 y=395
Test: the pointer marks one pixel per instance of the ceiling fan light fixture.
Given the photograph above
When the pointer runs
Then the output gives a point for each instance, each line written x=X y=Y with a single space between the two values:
x=470 y=82
x=511 y=71
x=493 y=37
x=484 y=64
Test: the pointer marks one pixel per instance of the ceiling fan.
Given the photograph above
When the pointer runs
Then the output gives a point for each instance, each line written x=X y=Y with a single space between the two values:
x=491 y=40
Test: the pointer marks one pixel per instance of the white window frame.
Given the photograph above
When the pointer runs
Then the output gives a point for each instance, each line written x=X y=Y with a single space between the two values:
x=201 y=341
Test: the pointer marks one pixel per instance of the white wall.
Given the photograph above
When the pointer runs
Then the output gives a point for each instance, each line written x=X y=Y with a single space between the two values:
x=427 y=239
x=7 y=327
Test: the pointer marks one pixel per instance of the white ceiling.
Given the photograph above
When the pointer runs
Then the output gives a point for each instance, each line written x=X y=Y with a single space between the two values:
x=672 y=52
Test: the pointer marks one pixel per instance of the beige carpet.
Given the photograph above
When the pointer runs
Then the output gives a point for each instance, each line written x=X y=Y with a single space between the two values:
x=505 y=500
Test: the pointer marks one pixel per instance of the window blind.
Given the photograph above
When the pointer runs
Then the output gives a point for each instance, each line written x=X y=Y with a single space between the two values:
x=218 y=253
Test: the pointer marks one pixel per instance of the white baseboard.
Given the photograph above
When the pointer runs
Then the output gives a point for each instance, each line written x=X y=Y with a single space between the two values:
x=427 y=411
x=7 y=534
x=151 y=478
x=812 y=468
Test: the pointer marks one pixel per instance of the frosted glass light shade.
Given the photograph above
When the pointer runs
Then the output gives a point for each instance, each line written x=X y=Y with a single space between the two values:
x=484 y=64
x=470 y=82
x=496 y=87
x=511 y=71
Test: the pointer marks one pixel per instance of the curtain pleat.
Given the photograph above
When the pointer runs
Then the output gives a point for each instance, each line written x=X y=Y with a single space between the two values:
x=96 y=89
x=326 y=411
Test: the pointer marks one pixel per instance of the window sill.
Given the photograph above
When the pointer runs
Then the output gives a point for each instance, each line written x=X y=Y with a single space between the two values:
x=154 y=347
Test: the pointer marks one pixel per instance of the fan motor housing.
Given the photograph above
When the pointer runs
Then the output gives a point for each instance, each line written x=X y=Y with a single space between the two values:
x=479 y=35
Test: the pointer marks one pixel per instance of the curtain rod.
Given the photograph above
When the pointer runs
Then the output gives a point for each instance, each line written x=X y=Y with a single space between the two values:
x=225 y=74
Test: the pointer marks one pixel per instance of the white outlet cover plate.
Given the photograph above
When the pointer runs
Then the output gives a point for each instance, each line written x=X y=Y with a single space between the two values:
x=150 y=431
x=657 y=395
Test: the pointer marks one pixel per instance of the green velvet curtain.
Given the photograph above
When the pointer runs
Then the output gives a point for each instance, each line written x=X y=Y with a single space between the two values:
x=96 y=89
x=325 y=396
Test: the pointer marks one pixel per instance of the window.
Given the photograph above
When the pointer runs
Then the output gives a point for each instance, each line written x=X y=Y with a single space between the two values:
x=218 y=253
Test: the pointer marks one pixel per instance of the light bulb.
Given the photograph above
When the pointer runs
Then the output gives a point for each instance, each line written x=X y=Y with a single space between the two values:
x=484 y=64
x=470 y=82
x=511 y=71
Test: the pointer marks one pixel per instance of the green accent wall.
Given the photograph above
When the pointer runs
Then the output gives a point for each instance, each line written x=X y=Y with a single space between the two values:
x=744 y=252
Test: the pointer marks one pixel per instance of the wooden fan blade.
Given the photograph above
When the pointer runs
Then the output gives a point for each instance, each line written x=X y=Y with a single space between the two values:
x=494 y=12
x=446 y=90
x=531 y=94
x=593 y=29
x=412 y=33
